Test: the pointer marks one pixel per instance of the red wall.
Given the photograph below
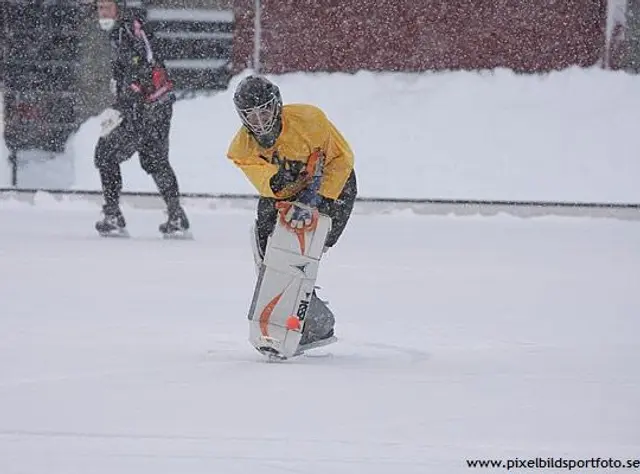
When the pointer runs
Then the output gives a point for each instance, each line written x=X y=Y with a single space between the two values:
x=414 y=35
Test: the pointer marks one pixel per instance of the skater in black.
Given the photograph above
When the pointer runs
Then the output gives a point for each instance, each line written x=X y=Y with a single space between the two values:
x=138 y=121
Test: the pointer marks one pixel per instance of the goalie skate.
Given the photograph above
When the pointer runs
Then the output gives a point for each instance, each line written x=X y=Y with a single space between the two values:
x=285 y=288
x=319 y=315
x=274 y=355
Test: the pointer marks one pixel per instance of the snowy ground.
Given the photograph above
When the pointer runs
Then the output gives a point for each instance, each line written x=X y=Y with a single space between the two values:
x=464 y=338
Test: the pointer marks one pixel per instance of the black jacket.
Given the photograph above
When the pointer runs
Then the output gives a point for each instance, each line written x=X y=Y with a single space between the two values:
x=142 y=81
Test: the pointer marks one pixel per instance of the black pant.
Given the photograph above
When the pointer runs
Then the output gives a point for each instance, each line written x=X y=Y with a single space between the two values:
x=149 y=136
x=338 y=210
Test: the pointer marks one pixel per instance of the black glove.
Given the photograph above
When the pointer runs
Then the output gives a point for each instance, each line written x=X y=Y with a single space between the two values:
x=289 y=179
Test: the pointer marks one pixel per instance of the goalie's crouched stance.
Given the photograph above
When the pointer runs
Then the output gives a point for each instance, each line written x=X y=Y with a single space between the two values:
x=320 y=321
x=303 y=170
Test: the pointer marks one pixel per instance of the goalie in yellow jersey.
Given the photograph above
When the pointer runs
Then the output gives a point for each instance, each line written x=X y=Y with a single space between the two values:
x=278 y=147
x=297 y=160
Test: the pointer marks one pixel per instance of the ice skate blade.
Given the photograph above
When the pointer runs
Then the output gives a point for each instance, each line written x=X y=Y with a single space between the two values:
x=314 y=345
x=271 y=354
x=178 y=235
x=119 y=234
x=274 y=356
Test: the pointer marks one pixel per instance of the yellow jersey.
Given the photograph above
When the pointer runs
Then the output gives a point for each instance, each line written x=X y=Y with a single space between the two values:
x=304 y=129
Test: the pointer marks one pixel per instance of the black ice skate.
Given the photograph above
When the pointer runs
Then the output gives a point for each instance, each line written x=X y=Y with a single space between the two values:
x=325 y=340
x=112 y=224
x=177 y=225
x=319 y=328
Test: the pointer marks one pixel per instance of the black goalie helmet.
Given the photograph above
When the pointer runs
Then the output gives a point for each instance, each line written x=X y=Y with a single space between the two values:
x=259 y=105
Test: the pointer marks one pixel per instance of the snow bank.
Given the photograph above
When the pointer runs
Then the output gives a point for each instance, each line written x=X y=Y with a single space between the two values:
x=493 y=135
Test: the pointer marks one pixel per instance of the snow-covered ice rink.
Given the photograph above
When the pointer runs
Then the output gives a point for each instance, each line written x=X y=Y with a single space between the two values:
x=461 y=338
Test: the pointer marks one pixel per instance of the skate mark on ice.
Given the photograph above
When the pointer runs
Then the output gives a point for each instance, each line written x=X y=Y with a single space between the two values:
x=357 y=353
x=415 y=355
x=349 y=351
x=343 y=352
x=285 y=440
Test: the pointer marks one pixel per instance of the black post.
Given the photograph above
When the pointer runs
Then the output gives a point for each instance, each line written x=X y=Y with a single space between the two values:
x=13 y=159
x=3 y=37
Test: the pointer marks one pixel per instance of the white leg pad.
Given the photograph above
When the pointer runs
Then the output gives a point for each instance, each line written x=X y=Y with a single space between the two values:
x=255 y=248
x=284 y=287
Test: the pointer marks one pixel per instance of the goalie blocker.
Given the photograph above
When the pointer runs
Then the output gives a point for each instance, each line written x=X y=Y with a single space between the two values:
x=286 y=317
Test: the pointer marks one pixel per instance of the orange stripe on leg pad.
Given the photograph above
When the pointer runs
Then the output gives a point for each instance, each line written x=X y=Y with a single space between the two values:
x=265 y=316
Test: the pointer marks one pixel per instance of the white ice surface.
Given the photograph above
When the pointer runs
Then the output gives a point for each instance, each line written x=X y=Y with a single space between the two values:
x=460 y=338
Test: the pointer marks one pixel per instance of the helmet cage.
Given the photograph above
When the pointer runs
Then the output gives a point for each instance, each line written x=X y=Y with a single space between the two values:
x=261 y=119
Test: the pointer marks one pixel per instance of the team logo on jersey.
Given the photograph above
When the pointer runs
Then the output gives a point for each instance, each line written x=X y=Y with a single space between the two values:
x=295 y=166
x=274 y=159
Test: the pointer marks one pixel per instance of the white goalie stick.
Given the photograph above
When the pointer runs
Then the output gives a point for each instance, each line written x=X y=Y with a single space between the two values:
x=284 y=287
